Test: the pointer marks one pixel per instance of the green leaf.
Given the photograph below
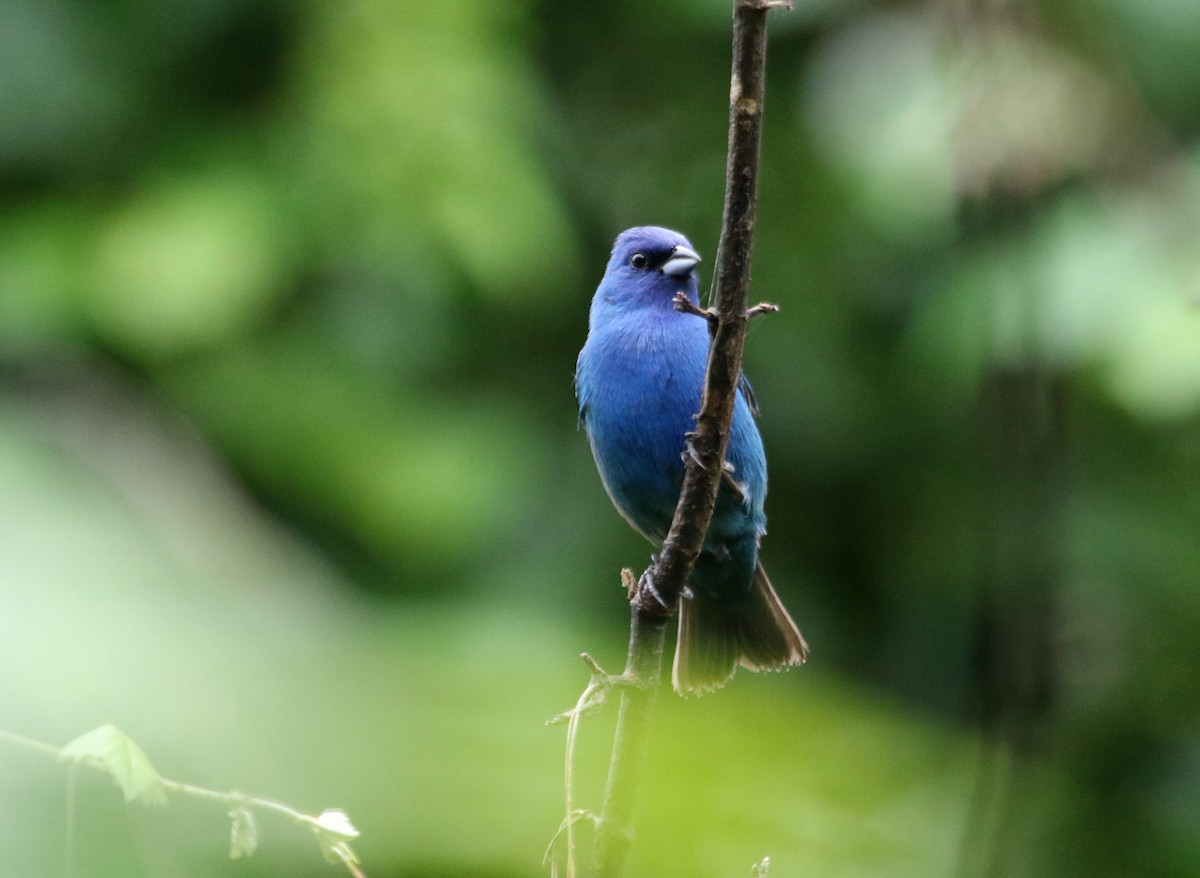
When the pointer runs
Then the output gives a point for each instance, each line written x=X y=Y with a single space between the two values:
x=243 y=834
x=109 y=748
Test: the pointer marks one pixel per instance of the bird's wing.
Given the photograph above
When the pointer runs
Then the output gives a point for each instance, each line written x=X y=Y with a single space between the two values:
x=748 y=393
x=582 y=422
x=579 y=400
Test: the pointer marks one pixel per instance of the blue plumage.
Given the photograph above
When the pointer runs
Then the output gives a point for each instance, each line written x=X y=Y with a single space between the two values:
x=639 y=380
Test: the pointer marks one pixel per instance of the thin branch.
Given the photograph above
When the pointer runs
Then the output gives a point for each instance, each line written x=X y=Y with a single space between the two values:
x=684 y=304
x=732 y=282
x=660 y=586
x=331 y=827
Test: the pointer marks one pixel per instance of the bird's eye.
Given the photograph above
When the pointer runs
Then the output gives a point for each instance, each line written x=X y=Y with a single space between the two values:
x=638 y=261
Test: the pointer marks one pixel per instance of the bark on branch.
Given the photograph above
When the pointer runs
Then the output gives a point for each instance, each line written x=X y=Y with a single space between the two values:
x=704 y=465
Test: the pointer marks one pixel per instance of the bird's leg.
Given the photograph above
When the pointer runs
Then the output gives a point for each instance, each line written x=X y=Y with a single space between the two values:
x=727 y=477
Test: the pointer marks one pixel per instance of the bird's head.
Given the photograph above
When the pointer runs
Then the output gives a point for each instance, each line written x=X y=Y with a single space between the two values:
x=648 y=266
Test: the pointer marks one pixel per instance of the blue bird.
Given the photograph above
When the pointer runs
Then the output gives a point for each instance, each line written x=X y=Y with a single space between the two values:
x=639 y=381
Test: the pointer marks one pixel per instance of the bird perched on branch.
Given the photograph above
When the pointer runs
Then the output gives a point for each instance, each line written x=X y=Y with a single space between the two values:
x=639 y=381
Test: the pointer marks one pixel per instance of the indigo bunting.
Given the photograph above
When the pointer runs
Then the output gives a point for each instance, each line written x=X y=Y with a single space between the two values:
x=638 y=382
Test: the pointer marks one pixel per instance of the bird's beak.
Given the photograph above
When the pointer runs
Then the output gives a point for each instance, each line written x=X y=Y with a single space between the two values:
x=682 y=261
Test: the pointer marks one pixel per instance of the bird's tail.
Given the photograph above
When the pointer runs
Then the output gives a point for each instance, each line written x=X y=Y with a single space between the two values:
x=715 y=638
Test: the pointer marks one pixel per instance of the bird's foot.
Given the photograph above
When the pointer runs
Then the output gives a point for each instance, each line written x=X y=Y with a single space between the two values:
x=727 y=469
x=645 y=585
x=689 y=450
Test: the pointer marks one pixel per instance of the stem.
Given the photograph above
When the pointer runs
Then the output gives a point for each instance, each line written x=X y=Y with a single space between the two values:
x=647 y=636
x=704 y=466
x=69 y=844
x=29 y=743
x=234 y=799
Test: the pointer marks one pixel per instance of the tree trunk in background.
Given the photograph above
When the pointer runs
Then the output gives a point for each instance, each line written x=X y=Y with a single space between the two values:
x=1019 y=428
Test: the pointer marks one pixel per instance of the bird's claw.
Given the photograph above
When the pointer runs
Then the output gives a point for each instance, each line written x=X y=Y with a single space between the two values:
x=689 y=451
x=646 y=585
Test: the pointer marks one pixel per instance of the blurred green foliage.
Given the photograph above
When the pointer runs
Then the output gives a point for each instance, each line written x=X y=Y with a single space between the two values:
x=290 y=295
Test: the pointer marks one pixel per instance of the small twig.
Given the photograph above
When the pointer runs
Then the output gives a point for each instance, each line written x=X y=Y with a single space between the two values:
x=596 y=693
x=684 y=304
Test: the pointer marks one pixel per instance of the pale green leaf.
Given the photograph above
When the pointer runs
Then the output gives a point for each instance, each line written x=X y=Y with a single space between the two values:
x=243 y=833
x=335 y=822
x=109 y=748
x=334 y=831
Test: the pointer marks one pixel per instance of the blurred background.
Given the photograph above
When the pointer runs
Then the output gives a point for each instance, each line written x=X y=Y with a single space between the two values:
x=292 y=493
